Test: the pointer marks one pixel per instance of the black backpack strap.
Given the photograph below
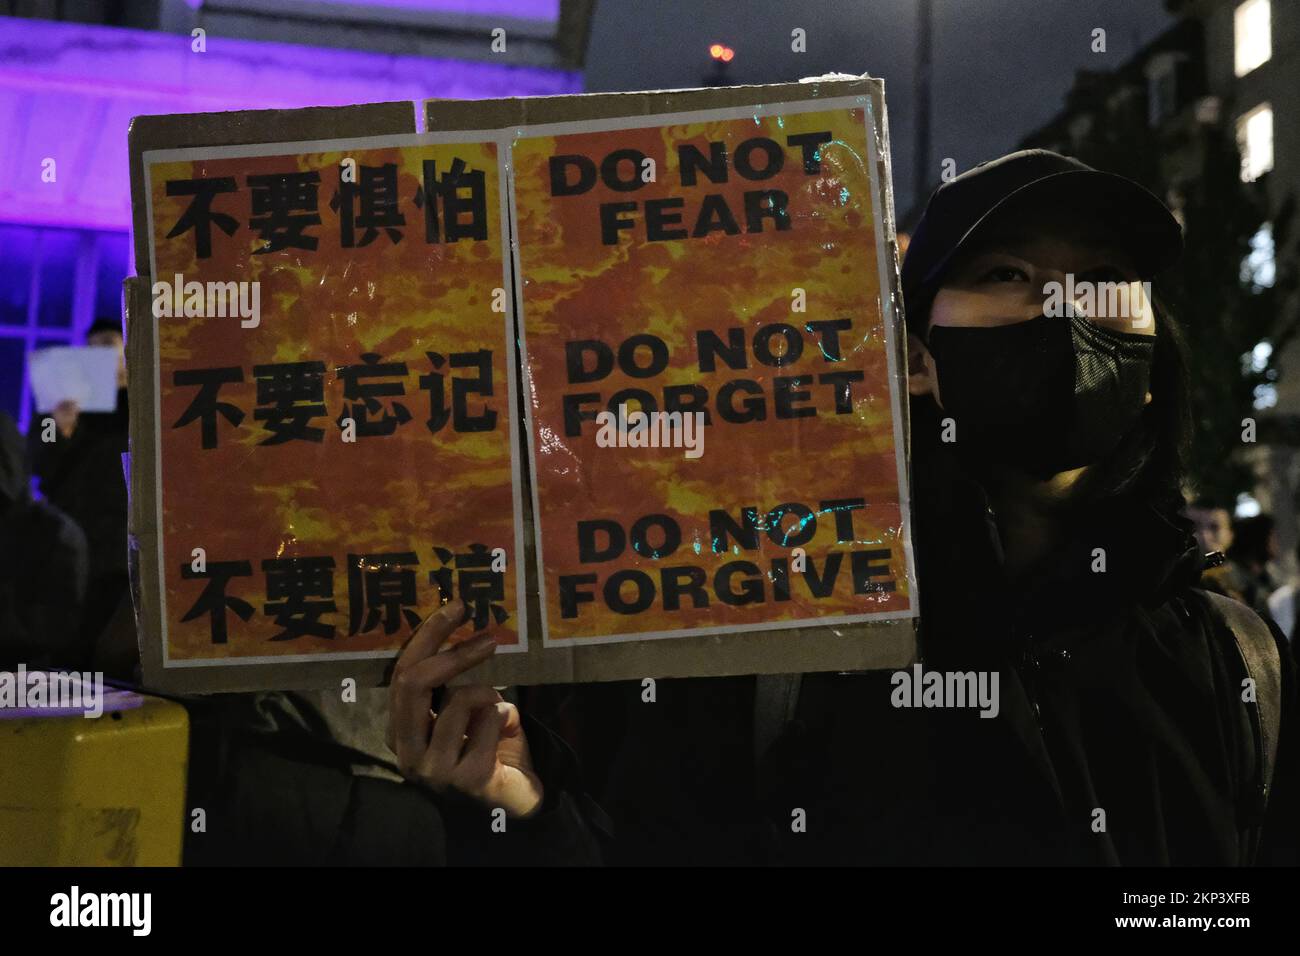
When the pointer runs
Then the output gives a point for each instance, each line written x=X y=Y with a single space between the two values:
x=1263 y=664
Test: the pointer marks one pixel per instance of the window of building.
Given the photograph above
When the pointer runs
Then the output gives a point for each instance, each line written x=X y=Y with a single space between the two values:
x=1252 y=32
x=1080 y=126
x=1255 y=139
x=1163 y=96
x=1256 y=361
x=1247 y=506
x=1162 y=87
x=55 y=283
x=1259 y=268
x=1208 y=109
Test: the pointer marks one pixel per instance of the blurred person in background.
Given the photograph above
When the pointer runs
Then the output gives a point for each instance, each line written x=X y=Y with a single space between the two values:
x=1245 y=575
x=1282 y=605
x=42 y=570
x=80 y=472
x=1213 y=526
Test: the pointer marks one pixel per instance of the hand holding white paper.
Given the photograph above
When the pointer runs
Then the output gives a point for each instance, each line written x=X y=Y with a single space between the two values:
x=86 y=375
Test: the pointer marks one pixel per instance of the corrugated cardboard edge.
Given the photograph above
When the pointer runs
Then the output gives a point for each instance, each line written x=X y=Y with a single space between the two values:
x=867 y=646
x=176 y=132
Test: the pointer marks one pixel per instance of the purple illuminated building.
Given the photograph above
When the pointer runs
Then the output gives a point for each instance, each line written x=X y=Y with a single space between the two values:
x=68 y=91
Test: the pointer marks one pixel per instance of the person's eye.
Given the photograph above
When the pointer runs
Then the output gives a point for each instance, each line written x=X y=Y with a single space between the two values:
x=1004 y=273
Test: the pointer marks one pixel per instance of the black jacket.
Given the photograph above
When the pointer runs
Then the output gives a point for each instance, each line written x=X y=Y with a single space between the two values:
x=82 y=475
x=42 y=570
x=1122 y=736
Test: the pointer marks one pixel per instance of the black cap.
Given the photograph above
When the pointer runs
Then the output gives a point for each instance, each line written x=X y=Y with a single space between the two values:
x=959 y=207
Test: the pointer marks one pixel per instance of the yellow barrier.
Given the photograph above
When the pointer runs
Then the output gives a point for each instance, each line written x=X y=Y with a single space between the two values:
x=103 y=791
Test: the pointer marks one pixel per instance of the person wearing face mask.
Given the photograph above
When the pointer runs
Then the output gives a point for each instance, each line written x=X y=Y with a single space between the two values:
x=1048 y=449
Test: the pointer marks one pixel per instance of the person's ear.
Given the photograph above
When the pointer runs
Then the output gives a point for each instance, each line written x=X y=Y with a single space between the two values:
x=921 y=376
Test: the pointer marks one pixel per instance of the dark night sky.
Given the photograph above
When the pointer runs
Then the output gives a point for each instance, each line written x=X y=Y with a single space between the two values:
x=1001 y=67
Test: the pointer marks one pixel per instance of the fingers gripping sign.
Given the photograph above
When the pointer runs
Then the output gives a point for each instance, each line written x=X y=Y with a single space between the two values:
x=475 y=743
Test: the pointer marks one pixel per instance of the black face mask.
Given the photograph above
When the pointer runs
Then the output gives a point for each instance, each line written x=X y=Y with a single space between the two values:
x=1046 y=395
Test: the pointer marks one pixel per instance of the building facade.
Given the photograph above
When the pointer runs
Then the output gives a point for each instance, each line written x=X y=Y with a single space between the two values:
x=1252 y=69
x=72 y=75
x=1227 y=70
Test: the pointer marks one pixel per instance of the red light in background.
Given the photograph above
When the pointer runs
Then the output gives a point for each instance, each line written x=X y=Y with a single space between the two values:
x=727 y=54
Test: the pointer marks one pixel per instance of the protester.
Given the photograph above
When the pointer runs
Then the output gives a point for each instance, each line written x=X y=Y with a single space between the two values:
x=1051 y=551
x=42 y=569
x=1051 y=554
x=81 y=473
x=1282 y=607
x=1245 y=574
x=1213 y=526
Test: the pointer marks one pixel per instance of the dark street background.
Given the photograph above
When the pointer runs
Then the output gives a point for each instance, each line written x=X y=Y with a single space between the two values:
x=1001 y=68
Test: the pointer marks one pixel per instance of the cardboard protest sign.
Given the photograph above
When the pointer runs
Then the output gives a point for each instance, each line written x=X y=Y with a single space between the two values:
x=333 y=387
x=315 y=469
x=714 y=404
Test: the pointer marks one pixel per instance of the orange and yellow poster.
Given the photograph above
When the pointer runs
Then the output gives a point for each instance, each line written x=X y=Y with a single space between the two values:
x=335 y=396
x=711 y=383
